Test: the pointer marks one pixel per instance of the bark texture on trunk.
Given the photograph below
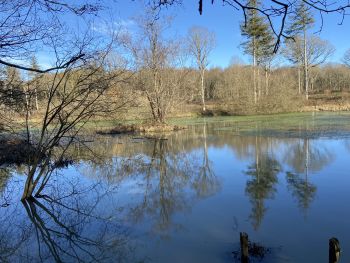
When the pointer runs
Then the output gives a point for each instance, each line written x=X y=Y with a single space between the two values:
x=203 y=90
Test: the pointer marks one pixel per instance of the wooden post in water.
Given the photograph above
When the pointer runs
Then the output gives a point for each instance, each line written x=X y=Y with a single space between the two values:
x=244 y=247
x=334 y=250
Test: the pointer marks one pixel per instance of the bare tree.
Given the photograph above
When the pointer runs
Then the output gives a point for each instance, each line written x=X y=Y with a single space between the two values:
x=158 y=62
x=346 y=58
x=56 y=227
x=74 y=85
x=29 y=26
x=74 y=96
x=200 y=43
x=317 y=53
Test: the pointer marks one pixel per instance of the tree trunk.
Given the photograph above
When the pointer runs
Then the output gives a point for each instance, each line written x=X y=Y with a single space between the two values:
x=299 y=80
x=266 y=81
x=258 y=83
x=36 y=99
x=29 y=186
x=152 y=106
x=306 y=75
x=161 y=114
x=254 y=75
x=27 y=100
x=203 y=89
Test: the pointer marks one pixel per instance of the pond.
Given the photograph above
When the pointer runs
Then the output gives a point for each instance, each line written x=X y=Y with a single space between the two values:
x=186 y=196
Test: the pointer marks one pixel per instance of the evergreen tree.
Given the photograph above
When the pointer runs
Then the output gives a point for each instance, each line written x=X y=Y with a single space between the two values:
x=302 y=21
x=260 y=41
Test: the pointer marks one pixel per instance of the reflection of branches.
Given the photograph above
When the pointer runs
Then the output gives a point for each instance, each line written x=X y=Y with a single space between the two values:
x=70 y=226
x=166 y=177
x=264 y=176
x=206 y=183
x=303 y=157
x=13 y=234
x=5 y=174
x=306 y=155
x=80 y=245
x=301 y=189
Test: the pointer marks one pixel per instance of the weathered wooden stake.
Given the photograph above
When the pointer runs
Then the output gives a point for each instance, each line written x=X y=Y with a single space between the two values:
x=334 y=250
x=244 y=247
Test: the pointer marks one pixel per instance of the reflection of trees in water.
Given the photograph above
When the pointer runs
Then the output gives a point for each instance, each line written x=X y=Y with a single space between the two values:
x=305 y=156
x=169 y=179
x=263 y=177
x=302 y=190
x=206 y=183
x=172 y=168
x=167 y=175
x=69 y=227
x=5 y=174
x=5 y=189
x=347 y=145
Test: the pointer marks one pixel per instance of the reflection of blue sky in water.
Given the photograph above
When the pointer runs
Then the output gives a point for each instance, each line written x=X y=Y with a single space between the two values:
x=185 y=199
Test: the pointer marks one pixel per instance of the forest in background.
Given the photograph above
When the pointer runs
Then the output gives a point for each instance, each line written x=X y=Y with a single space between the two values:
x=155 y=77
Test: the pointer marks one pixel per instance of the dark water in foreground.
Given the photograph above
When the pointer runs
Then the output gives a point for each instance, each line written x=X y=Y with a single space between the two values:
x=186 y=197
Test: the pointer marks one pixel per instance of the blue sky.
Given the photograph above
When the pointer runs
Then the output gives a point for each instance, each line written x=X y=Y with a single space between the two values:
x=224 y=22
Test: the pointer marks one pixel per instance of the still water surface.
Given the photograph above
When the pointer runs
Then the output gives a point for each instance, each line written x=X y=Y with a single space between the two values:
x=186 y=196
